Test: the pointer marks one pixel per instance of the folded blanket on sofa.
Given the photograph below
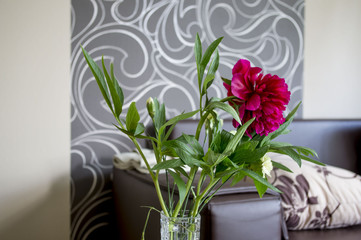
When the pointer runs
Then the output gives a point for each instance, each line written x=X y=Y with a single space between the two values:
x=133 y=160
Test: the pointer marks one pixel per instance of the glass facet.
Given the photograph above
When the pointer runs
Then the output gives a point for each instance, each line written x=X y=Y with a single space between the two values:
x=180 y=228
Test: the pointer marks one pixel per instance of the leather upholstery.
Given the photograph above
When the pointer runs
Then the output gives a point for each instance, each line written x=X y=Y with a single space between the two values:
x=337 y=142
x=234 y=213
x=244 y=216
x=238 y=213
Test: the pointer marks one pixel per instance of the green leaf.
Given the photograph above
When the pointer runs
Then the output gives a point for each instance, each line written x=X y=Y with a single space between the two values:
x=232 y=144
x=207 y=82
x=306 y=151
x=128 y=133
x=207 y=55
x=98 y=75
x=198 y=50
x=282 y=128
x=225 y=107
x=248 y=145
x=238 y=136
x=287 y=150
x=182 y=189
x=192 y=141
x=169 y=132
x=132 y=118
x=312 y=160
x=134 y=134
x=214 y=65
x=221 y=167
x=211 y=73
x=287 y=122
x=159 y=114
x=169 y=151
x=184 y=152
x=295 y=152
x=226 y=173
x=207 y=169
x=248 y=155
x=182 y=171
x=281 y=166
x=286 y=131
x=226 y=81
x=275 y=144
x=172 y=163
x=229 y=163
x=124 y=131
x=290 y=116
x=205 y=59
x=258 y=178
x=225 y=138
x=237 y=178
x=216 y=142
x=118 y=105
x=198 y=56
x=176 y=119
x=139 y=130
x=261 y=188
x=210 y=157
x=116 y=85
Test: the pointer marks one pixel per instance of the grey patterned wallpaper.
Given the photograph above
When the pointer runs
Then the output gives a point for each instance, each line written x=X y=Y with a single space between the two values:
x=151 y=45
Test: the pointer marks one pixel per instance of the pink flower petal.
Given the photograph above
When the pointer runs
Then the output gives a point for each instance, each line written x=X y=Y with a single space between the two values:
x=268 y=108
x=259 y=127
x=253 y=102
x=254 y=74
x=239 y=89
x=227 y=86
x=235 y=123
x=241 y=110
x=241 y=66
x=261 y=96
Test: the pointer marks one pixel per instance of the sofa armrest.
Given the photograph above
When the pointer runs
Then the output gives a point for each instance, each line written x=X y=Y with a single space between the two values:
x=244 y=215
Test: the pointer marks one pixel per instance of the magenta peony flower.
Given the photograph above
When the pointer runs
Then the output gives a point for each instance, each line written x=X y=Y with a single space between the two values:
x=261 y=96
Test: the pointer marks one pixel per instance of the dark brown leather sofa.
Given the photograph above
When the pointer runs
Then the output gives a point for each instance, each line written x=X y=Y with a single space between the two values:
x=238 y=212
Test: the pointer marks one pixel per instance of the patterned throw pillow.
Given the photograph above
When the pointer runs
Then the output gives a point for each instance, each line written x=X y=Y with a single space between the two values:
x=317 y=197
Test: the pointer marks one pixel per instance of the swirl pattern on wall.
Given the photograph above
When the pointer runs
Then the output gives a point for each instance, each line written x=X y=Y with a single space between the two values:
x=151 y=45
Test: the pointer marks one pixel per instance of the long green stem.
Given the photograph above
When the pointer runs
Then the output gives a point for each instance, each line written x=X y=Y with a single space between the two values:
x=208 y=198
x=188 y=187
x=154 y=177
x=200 y=182
x=200 y=105
x=200 y=197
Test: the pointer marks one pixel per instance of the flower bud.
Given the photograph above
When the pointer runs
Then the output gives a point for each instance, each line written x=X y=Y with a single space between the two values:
x=233 y=132
x=209 y=122
x=266 y=165
x=150 y=107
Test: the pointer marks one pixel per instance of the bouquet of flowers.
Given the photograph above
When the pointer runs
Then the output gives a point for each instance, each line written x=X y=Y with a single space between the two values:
x=256 y=102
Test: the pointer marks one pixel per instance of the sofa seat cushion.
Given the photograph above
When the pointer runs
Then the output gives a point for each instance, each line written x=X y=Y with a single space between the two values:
x=346 y=233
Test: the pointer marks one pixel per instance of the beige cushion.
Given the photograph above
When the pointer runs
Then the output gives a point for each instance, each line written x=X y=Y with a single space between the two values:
x=317 y=197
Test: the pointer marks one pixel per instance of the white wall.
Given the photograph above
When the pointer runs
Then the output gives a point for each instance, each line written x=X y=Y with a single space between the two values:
x=332 y=77
x=35 y=119
x=35 y=102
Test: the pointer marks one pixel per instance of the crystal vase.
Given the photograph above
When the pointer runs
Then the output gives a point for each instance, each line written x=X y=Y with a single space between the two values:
x=180 y=228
